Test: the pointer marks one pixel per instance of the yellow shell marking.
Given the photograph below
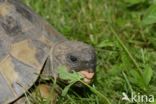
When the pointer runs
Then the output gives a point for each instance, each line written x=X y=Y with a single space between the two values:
x=7 y=69
x=5 y=9
x=45 y=40
x=23 y=52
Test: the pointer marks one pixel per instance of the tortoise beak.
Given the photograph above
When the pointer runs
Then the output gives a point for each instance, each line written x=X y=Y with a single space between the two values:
x=88 y=76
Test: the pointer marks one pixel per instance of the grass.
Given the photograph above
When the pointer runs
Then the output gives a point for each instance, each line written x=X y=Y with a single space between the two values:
x=124 y=37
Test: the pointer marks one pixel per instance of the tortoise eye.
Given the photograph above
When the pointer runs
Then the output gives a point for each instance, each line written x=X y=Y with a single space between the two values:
x=73 y=59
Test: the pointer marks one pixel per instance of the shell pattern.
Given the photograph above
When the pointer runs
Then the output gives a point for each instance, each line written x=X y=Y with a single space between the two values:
x=25 y=42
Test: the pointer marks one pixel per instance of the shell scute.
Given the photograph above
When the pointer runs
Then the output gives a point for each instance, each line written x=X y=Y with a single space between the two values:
x=5 y=92
x=24 y=52
x=15 y=78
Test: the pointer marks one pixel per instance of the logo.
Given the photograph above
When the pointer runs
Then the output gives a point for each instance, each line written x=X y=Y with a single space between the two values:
x=137 y=98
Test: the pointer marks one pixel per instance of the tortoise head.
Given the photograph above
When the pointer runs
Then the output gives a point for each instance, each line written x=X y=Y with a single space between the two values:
x=76 y=56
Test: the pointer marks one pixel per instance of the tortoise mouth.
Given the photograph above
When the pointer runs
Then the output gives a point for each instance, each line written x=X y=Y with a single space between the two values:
x=87 y=76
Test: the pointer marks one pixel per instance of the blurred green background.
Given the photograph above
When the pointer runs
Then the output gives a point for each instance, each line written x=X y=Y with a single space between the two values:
x=124 y=36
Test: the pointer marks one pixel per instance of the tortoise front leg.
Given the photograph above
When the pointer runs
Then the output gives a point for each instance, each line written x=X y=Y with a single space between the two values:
x=48 y=93
x=45 y=92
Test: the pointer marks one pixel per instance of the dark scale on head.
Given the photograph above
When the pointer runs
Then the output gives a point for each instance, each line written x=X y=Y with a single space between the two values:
x=10 y=25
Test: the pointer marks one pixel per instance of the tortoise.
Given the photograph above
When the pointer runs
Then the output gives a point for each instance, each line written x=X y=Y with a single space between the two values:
x=28 y=44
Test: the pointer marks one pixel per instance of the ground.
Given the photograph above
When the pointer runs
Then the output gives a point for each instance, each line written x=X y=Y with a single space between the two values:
x=124 y=36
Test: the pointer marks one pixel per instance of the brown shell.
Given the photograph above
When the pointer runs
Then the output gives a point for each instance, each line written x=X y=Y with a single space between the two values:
x=25 y=42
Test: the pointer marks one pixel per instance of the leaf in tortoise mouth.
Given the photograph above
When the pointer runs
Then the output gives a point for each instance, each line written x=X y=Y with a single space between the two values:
x=71 y=77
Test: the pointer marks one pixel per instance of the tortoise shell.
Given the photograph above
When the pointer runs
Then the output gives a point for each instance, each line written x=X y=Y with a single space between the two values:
x=25 y=42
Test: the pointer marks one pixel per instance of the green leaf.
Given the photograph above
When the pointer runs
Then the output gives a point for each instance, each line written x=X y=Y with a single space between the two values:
x=74 y=77
x=150 y=15
x=137 y=79
x=66 y=89
x=148 y=74
x=116 y=69
x=105 y=43
x=71 y=77
x=65 y=75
